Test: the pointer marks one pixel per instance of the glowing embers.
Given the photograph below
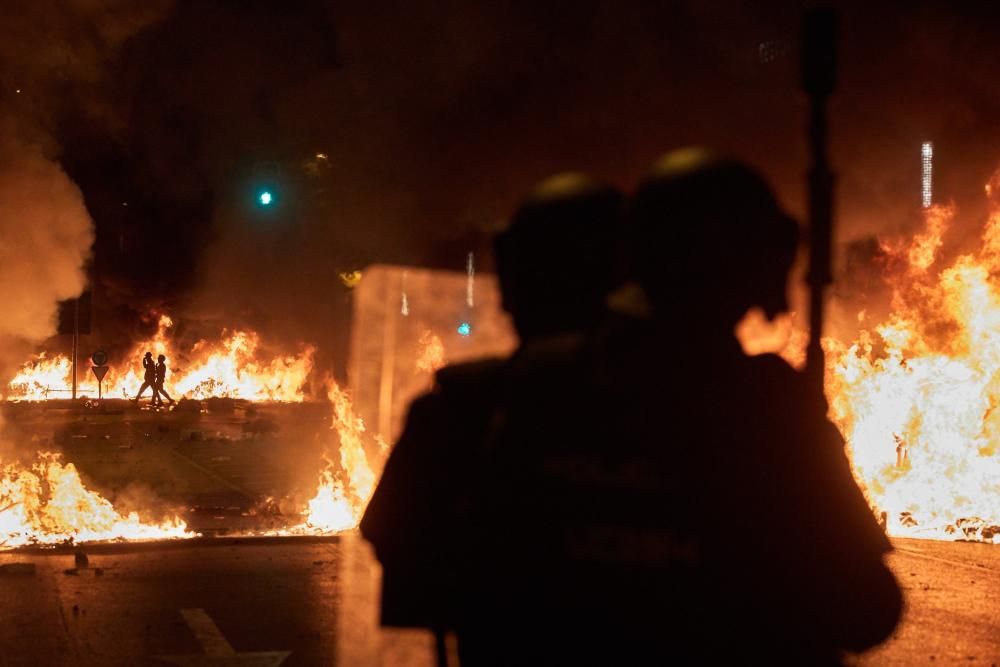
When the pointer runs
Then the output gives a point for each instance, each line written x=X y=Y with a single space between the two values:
x=916 y=396
x=47 y=503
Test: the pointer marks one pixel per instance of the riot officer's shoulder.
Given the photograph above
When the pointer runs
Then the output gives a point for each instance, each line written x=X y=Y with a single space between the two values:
x=550 y=353
x=469 y=375
x=773 y=372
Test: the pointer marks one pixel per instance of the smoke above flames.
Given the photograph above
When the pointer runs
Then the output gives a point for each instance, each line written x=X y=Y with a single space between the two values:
x=52 y=58
x=46 y=234
x=45 y=240
x=435 y=118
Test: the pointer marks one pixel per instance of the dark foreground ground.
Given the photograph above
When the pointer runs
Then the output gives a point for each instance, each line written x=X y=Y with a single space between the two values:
x=225 y=600
x=299 y=601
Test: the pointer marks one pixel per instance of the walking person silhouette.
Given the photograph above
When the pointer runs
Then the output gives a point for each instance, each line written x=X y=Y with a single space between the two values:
x=159 y=393
x=149 y=377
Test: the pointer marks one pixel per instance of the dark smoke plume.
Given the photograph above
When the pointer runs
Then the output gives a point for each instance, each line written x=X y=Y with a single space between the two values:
x=434 y=119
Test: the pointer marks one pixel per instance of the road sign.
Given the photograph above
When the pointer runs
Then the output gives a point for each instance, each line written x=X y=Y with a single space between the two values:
x=100 y=357
x=100 y=372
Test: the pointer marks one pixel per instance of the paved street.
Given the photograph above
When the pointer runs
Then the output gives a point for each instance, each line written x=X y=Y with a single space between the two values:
x=305 y=601
x=130 y=605
x=953 y=605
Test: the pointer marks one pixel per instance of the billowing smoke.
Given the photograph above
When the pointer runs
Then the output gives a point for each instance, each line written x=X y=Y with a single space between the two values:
x=434 y=118
x=54 y=60
x=46 y=237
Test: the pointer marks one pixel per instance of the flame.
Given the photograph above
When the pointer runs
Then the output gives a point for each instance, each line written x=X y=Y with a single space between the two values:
x=41 y=378
x=916 y=396
x=758 y=335
x=431 y=352
x=48 y=504
x=344 y=490
x=229 y=368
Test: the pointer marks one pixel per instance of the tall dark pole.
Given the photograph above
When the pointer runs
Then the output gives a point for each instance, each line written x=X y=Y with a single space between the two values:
x=819 y=65
x=76 y=339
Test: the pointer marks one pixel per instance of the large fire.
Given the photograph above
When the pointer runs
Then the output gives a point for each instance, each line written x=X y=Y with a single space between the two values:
x=917 y=395
x=47 y=503
x=344 y=487
x=229 y=368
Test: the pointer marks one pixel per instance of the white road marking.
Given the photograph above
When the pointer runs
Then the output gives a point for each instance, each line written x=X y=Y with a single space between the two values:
x=217 y=650
x=207 y=632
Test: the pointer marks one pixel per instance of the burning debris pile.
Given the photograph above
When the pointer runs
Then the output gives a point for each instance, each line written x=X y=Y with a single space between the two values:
x=344 y=486
x=229 y=368
x=47 y=503
x=917 y=395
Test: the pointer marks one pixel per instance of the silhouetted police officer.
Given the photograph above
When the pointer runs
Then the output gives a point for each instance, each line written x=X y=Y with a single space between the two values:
x=556 y=263
x=653 y=495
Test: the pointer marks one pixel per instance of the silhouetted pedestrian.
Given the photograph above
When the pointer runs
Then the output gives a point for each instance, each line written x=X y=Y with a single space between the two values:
x=556 y=263
x=159 y=393
x=149 y=377
x=655 y=496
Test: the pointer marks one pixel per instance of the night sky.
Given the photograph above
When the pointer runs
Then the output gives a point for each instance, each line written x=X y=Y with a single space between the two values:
x=435 y=117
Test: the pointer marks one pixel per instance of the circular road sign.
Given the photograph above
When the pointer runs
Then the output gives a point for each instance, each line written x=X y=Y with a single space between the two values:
x=99 y=358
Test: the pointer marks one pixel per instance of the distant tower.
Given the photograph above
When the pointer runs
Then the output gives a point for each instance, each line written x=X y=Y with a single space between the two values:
x=927 y=172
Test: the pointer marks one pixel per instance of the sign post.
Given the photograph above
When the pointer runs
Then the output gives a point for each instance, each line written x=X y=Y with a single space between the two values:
x=100 y=369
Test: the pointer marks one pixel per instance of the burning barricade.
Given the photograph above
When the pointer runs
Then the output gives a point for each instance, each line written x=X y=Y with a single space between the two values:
x=232 y=367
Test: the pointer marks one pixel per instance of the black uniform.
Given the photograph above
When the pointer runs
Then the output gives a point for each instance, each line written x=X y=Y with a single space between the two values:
x=555 y=264
x=650 y=495
x=654 y=501
x=417 y=517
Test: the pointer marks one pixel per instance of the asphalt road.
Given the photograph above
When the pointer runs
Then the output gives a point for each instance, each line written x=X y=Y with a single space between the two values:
x=234 y=603
x=313 y=601
x=952 y=614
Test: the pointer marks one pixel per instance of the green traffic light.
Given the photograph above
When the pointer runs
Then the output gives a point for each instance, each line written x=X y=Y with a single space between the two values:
x=265 y=198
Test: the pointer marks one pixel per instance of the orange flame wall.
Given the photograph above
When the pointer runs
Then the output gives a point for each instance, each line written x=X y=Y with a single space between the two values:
x=916 y=395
